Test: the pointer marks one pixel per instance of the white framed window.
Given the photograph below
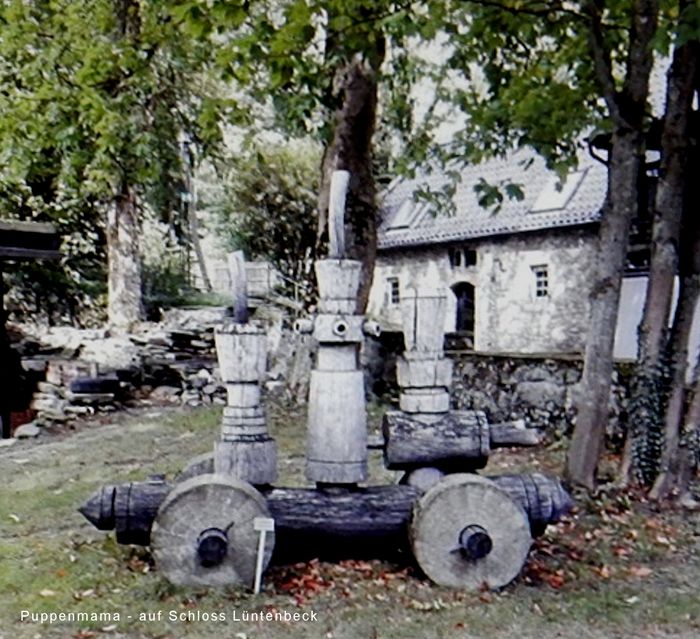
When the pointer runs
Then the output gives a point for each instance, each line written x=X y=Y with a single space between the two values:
x=393 y=290
x=540 y=274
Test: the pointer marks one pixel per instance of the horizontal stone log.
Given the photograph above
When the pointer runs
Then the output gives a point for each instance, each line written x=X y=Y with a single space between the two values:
x=515 y=433
x=450 y=441
x=457 y=437
x=321 y=522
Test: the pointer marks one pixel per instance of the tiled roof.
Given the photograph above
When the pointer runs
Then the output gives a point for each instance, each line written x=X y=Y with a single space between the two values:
x=407 y=222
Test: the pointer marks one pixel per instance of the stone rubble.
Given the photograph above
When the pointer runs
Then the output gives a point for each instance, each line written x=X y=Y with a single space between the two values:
x=79 y=372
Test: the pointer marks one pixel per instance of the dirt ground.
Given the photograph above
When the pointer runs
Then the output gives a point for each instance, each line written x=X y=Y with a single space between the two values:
x=617 y=567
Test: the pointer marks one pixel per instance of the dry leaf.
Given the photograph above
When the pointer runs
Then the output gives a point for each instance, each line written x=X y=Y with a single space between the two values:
x=640 y=571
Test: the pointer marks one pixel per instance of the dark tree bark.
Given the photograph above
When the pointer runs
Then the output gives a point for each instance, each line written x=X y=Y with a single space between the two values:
x=626 y=161
x=5 y=372
x=351 y=150
x=668 y=209
x=656 y=344
x=677 y=418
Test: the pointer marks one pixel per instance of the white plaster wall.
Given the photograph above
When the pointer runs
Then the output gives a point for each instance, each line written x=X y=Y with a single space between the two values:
x=418 y=269
x=508 y=316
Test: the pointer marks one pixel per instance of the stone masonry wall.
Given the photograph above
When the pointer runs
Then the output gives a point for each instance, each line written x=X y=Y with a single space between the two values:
x=539 y=389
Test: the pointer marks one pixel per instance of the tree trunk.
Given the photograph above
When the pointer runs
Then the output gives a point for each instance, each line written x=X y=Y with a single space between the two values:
x=689 y=293
x=654 y=339
x=351 y=150
x=626 y=160
x=124 y=307
x=594 y=397
x=5 y=372
x=668 y=209
x=689 y=453
x=673 y=418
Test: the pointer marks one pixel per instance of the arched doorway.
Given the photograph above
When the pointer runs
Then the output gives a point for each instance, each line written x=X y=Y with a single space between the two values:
x=464 y=322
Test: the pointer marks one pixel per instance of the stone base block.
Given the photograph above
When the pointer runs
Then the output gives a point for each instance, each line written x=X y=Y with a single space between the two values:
x=254 y=461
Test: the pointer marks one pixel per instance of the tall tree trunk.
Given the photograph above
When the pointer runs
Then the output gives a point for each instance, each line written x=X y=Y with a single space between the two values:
x=668 y=209
x=124 y=306
x=655 y=344
x=689 y=452
x=351 y=150
x=689 y=294
x=6 y=373
x=594 y=397
x=124 y=295
x=676 y=414
x=626 y=161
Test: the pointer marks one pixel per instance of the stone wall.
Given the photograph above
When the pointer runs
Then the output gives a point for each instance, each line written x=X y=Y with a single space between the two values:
x=539 y=389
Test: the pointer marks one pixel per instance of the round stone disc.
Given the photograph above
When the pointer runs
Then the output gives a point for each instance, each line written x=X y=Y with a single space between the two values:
x=199 y=465
x=458 y=501
x=210 y=502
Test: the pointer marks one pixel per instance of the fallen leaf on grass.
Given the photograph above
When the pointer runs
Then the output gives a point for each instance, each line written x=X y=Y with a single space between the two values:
x=653 y=524
x=602 y=571
x=555 y=580
x=640 y=571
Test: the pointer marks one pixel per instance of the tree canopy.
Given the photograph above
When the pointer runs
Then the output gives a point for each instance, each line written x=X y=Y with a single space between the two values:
x=95 y=96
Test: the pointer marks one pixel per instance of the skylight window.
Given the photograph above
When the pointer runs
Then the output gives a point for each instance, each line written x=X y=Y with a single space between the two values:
x=555 y=196
x=407 y=213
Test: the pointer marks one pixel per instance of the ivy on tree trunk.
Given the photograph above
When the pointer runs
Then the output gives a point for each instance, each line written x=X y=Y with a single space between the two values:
x=626 y=161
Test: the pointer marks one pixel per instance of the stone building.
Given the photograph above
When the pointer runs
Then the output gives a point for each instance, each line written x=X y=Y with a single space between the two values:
x=518 y=277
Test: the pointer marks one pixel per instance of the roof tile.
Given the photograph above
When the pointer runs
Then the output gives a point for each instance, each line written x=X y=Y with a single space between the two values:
x=405 y=225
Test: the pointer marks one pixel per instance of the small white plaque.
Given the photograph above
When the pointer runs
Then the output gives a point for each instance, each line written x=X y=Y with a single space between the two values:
x=264 y=523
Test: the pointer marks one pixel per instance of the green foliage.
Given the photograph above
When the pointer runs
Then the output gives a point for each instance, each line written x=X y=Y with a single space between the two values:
x=96 y=94
x=267 y=206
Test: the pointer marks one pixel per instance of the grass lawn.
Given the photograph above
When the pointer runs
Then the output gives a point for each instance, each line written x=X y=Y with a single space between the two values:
x=616 y=567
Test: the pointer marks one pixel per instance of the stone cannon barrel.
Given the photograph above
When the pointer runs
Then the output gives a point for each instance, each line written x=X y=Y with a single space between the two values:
x=128 y=509
x=307 y=517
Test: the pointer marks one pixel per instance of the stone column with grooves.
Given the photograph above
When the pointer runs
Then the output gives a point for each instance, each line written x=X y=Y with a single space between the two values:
x=336 y=451
x=425 y=432
x=245 y=451
x=423 y=373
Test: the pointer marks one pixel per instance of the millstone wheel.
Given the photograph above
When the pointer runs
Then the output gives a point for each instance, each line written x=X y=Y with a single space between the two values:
x=199 y=465
x=204 y=534
x=468 y=533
